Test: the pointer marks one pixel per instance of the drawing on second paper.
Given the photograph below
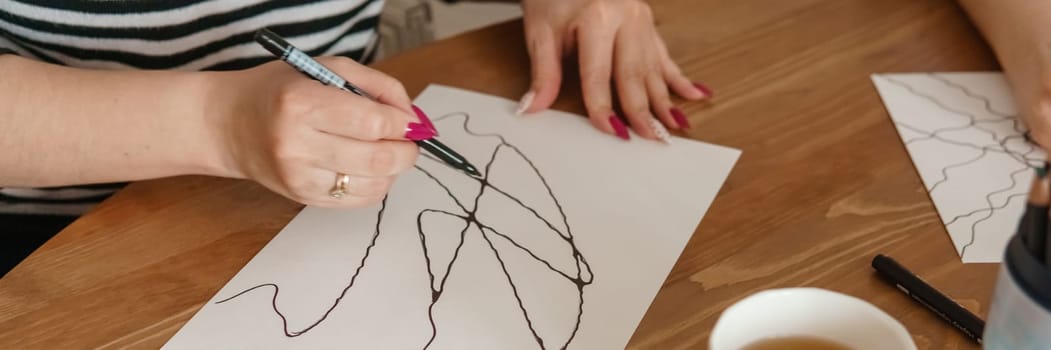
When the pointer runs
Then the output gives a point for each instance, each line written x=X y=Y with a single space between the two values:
x=971 y=148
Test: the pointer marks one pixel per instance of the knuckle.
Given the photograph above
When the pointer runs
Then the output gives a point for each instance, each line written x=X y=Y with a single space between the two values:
x=284 y=148
x=637 y=110
x=282 y=151
x=298 y=189
x=652 y=65
x=382 y=160
x=598 y=12
x=595 y=73
x=372 y=126
x=394 y=85
x=338 y=63
x=598 y=103
x=639 y=113
x=292 y=100
x=633 y=74
x=595 y=79
x=1042 y=112
x=661 y=102
x=640 y=9
x=659 y=94
x=534 y=41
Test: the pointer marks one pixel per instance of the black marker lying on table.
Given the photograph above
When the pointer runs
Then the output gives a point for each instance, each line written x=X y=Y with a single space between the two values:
x=307 y=65
x=941 y=305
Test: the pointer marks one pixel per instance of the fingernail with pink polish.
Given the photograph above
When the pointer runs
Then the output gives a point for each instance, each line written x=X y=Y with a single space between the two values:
x=680 y=118
x=418 y=132
x=424 y=119
x=703 y=89
x=619 y=127
x=525 y=102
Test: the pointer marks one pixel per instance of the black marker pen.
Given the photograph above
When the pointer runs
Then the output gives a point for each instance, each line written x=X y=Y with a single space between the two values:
x=312 y=68
x=941 y=305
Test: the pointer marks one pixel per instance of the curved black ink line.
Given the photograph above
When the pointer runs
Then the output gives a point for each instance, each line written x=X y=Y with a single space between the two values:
x=982 y=210
x=503 y=142
x=1022 y=157
x=514 y=290
x=988 y=198
x=470 y=219
x=914 y=91
x=945 y=170
x=423 y=243
x=989 y=202
x=971 y=118
x=436 y=291
x=353 y=278
x=989 y=214
x=972 y=121
x=934 y=134
x=973 y=124
x=988 y=104
x=948 y=141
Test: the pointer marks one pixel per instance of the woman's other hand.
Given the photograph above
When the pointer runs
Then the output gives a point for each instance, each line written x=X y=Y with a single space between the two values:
x=618 y=48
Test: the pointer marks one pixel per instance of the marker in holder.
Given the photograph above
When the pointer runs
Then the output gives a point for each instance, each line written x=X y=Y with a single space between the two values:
x=1020 y=316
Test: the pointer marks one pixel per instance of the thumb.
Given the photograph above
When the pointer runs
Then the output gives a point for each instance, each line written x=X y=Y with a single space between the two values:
x=546 y=57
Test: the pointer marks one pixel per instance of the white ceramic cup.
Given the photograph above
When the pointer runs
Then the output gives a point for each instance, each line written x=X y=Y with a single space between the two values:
x=808 y=312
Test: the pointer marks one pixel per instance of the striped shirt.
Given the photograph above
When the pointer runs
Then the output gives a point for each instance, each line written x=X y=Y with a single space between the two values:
x=168 y=34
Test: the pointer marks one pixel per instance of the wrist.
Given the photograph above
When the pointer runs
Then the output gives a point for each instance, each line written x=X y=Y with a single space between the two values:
x=215 y=104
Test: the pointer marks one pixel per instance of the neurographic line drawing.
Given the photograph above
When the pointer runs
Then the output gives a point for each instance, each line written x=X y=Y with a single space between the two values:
x=1012 y=143
x=580 y=275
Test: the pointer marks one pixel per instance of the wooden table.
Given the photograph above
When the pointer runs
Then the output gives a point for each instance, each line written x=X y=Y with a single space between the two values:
x=824 y=182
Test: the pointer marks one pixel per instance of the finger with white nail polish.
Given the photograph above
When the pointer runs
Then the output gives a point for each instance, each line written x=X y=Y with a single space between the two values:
x=660 y=131
x=525 y=102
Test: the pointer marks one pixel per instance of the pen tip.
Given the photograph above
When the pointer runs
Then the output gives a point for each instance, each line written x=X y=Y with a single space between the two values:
x=470 y=169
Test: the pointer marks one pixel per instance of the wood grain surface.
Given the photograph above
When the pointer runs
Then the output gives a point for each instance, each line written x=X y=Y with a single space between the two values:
x=823 y=185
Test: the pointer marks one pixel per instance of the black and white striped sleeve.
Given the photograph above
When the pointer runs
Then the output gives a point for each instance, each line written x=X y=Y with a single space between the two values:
x=183 y=35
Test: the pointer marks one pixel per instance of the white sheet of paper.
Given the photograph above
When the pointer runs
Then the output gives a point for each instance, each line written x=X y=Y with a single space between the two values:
x=965 y=136
x=630 y=208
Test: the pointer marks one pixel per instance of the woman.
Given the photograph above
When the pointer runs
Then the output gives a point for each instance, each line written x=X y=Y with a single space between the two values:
x=1019 y=32
x=109 y=91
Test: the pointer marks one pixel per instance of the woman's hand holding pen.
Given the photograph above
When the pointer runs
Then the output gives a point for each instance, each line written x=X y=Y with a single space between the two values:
x=293 y=135
x=618 y=46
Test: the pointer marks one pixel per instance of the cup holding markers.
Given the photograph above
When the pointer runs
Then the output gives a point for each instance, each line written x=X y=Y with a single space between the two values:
x=1020 y=315
x=807 y=316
